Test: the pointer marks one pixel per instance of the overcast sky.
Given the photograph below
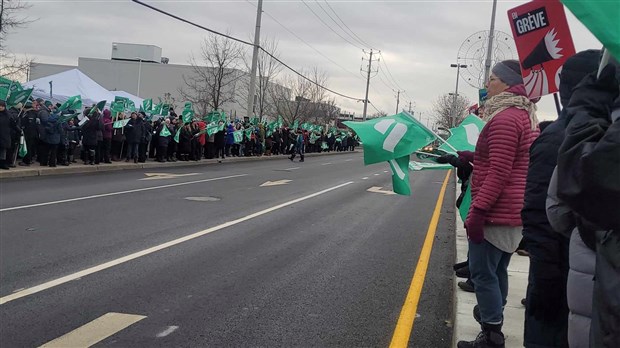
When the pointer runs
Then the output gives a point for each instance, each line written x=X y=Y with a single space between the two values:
x=418 y=39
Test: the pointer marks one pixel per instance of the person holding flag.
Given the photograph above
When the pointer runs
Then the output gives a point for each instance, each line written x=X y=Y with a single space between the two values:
x=493 y=222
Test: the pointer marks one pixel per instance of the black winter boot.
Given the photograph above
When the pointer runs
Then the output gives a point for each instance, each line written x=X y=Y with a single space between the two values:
x=491 y=336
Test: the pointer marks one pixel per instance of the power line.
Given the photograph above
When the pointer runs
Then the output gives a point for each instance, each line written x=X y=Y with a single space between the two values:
x=352 y=32
x=330 y=28
x=338 y=24
x=388 y=70
x=305 y=42
x=246 y=43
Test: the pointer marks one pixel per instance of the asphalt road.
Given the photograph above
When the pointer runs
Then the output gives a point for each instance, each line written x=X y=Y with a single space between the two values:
x=316 y=260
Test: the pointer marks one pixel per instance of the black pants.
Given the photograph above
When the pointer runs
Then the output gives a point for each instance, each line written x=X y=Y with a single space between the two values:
x=52 y=153
x=228 y=146
x=116 y=150
x=106 y=150
x=162 y=152
x=210 y=153
x=43 y=152
x=61 y=154
x=142 y=152
x=172 y=149
x=31 y=143
x=98 y=151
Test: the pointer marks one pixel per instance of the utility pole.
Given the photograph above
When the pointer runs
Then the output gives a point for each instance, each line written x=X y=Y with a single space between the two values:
x=456 y=94
x=487 y=62
x=367 y=82
x=410 y=108
x=397 y=100
x=259 y=13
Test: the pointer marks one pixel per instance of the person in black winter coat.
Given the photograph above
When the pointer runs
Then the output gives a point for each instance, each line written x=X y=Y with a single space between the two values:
x=147 y=135
x=163 y=141
x=546 y=309
x=42 y=115
x=134 y=131
x=220 y=142
x=53 y=129
x=89 y=137
x=5 y=135
x=28 y=123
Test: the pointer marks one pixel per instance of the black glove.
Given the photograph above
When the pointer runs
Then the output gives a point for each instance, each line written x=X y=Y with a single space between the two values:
x=445 y=159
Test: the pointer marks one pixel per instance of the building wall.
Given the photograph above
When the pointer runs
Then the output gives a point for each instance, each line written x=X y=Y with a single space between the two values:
x=38 y=70
x=155 y=79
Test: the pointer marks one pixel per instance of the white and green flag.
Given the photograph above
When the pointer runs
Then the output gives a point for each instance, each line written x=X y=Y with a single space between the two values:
x=393 y=139
x=73 y=103
x=417 y=166
x=238 y=135
x=120 y=123
x=165 y=132
x=465 y=136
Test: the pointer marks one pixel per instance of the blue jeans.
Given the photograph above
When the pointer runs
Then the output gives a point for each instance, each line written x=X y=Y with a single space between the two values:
x=489 y=272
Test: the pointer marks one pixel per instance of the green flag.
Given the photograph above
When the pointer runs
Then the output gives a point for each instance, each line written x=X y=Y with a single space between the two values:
x=165 y=132
x=16 y=97
x=147 y=105
x=212 y=128
x=392 y=137
x=23 y=149
x=120 y=123
x=117 y=107
x=465 y=203
x=165 y=109
x=400 y=175
x=157 y=109
x=255 y=121
x=188 y=105
x=123 y=100
x=5 y=88
x=73 y=103
x=465 y=136
x=177 y=135
x=601 y=18
x=66 y=117
x=238 y=135
x=426 y=165
x=187 y=114
x=97 y=107
x=131 y=106
x=248 y=133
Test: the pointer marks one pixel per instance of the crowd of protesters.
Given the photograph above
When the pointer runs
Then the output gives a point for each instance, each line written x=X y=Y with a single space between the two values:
x=96 y=140
x=552 y=189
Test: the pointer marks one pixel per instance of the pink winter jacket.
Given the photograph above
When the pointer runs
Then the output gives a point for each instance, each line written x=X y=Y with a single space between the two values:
x=500 y=165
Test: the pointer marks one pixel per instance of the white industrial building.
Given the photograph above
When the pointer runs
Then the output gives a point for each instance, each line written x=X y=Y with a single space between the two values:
x=140 y=70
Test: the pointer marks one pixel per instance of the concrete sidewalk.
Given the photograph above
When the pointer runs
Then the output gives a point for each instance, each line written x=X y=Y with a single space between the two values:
x=465 y=326
x=37 y=170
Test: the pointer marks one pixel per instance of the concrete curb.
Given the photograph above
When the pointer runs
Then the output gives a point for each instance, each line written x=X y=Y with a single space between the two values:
x=465 y=327
x=118 y=166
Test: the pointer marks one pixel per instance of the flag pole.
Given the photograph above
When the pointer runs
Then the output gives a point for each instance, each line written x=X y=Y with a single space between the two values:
x=431 y=131
x=604 y=61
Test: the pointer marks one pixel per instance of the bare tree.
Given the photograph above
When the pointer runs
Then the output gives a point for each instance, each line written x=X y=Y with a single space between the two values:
x=215 y=75
x=267 y=70
x=297 y=98
x=10 y=65
x=447 y=113
x=379 y=113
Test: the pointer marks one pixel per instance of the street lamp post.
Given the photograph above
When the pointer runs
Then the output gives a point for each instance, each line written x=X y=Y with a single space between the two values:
x=139 y=75
x=456 y=93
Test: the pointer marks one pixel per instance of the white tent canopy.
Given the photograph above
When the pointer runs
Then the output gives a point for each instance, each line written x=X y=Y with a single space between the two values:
x=69 y=83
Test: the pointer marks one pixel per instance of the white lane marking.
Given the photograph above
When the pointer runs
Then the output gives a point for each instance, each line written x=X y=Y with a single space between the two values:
x=349 y=160
x=167 y=332
x=365 y=178
x=294 y=168
x=120 y=193
x=109 y=264
x=160 y=176
x=385 y=171
x=326 y=164
x=377 y=174
x=378 y=189
x=95 y=331
x=275 y=183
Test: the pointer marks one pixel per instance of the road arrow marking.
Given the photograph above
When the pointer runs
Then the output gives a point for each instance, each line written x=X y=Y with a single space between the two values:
x=275 y=183
x=378 y=189
x=159 y=176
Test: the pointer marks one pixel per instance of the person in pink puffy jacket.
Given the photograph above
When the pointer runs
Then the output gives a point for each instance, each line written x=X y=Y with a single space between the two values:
x=493 y=223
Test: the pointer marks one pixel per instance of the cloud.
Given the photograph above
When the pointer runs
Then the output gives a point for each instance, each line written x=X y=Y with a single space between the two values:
x=418 y=39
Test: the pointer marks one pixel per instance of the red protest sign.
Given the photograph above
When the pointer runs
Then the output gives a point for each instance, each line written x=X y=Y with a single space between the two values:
x=543 y=42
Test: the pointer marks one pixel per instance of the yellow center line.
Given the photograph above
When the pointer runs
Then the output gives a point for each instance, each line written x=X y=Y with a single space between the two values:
x=404 y=326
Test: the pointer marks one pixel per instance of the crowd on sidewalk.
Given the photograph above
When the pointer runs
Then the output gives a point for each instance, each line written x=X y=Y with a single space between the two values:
x=552 y=191
x=50 y=141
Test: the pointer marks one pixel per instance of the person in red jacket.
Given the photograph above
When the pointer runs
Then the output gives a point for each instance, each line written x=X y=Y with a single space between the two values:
x=493 y=223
